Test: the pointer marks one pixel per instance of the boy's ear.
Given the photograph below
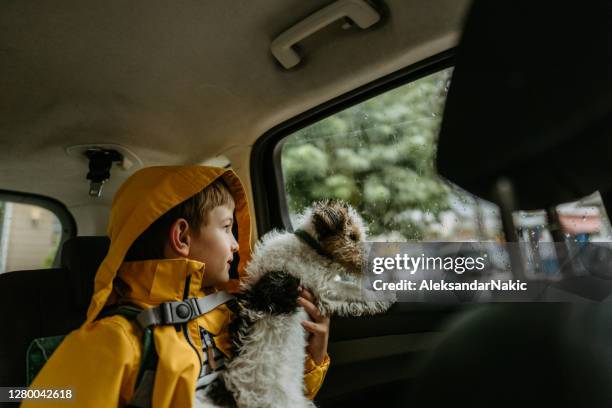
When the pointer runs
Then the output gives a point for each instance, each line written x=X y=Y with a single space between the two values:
x=179 y=239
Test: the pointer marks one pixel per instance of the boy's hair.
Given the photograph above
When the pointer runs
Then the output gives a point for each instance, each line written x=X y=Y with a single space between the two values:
x=150 y=244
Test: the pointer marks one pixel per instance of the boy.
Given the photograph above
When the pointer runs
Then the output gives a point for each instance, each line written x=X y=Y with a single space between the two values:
x=172 y=238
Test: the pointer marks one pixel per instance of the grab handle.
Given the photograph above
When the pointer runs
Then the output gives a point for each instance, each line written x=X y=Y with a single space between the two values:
x=360 y=12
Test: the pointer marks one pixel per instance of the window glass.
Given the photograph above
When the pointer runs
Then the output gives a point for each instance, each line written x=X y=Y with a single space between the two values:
x=379 y=156
x=585 y=220
x=29 y=237
x=540 y=255
x=580 y=222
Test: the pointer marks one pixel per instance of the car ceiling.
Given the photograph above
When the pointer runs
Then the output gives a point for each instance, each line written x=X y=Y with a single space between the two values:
x=178 y=82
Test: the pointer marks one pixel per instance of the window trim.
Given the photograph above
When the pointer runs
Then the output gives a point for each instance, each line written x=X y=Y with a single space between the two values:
x=269 y=201
x=69 y=226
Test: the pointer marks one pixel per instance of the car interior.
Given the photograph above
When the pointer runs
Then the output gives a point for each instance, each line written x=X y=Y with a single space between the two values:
x=92 y=92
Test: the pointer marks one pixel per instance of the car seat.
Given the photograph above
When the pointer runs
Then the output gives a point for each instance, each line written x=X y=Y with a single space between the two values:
x=46 y=302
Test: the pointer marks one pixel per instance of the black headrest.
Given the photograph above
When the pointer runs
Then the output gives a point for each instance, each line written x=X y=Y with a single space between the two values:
x=81 y=257
x=531 y=101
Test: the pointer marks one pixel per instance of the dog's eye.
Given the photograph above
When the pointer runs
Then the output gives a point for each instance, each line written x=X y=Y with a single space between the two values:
x=353 y=236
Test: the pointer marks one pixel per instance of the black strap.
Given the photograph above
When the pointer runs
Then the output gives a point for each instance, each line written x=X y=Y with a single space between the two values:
x=311 y=242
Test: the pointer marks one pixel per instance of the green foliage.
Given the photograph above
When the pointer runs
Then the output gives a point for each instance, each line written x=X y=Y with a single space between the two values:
x=378 y=155
x=1 y=220
x=48 y=261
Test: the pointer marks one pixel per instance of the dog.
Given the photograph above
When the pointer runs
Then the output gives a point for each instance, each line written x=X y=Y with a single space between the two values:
x=325 y=255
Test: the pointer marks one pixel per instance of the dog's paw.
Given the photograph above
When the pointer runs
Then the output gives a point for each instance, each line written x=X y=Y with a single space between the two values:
x=372 y=307
x=383 y=305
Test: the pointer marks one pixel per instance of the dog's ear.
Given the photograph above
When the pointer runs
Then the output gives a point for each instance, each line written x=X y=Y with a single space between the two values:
x=329 y=218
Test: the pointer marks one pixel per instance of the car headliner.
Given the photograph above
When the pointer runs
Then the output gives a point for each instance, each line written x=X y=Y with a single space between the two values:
x=177 y=82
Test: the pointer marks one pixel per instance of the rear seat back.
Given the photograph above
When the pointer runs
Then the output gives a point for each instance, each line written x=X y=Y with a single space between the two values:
x=81 y=258
x=45 y=302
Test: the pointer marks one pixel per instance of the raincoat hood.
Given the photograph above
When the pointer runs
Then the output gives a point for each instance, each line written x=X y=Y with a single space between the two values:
x=143 y=198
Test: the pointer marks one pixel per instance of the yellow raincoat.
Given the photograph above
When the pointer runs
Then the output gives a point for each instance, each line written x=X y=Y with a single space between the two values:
x=99 y=361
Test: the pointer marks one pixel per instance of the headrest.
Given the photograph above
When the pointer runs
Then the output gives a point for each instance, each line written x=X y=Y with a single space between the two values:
x=531 y=101
x=81 y=257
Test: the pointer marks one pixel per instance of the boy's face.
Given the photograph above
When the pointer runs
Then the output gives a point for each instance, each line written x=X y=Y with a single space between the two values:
x=215 y=245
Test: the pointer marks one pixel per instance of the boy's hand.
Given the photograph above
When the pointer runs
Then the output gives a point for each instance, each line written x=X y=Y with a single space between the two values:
x=318 y=328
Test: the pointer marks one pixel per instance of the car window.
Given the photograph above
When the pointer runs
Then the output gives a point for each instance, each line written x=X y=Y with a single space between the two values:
x=585 y=220
x=29 y=237
x=379 y=155
x=579 y=223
